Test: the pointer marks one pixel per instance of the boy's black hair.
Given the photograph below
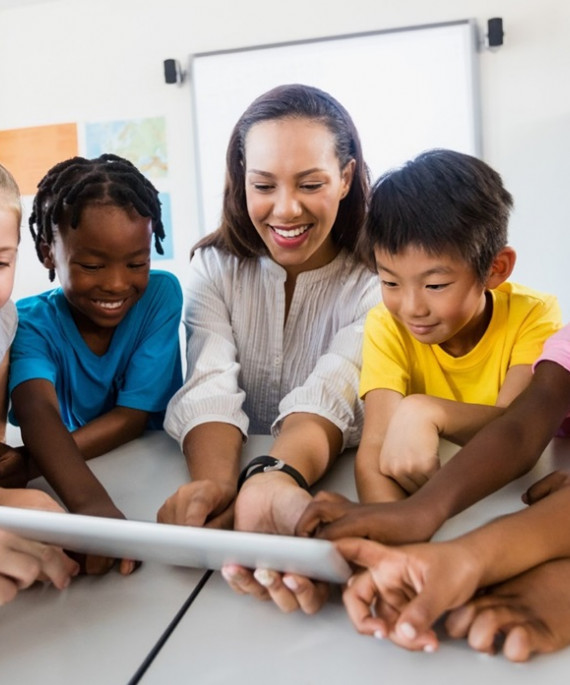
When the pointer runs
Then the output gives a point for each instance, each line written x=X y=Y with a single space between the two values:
x=70 y=186
x=442 y=201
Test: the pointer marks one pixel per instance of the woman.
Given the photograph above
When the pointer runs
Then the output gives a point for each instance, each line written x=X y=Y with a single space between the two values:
x=275 y=305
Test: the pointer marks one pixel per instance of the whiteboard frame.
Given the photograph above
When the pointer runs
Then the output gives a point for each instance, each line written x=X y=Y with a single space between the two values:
x=473 y=147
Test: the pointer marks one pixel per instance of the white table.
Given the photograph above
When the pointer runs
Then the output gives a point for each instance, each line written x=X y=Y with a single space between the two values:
x=107 y=630
x=101 y=629
x=228 y=638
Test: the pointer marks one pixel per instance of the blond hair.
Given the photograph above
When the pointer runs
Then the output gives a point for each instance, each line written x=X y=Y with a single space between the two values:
x=9 y=192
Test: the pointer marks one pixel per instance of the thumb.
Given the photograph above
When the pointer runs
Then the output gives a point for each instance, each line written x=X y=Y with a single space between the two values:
x=365 y=553
x=417 y=618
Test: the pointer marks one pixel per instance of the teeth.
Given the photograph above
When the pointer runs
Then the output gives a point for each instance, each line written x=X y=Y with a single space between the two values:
x=292 y=233
x=109 y=305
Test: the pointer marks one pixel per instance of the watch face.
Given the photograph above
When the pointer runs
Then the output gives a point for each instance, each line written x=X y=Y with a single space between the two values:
x=276 y=465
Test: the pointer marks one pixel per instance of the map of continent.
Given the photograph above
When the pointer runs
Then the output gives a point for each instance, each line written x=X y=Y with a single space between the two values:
x=141 y=141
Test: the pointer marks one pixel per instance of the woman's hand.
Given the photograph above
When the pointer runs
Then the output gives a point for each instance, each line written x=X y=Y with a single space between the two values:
x=272 y=503
x=200 y=503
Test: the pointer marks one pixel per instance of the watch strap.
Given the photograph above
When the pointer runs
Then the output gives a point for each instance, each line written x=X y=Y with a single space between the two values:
x=266 y=464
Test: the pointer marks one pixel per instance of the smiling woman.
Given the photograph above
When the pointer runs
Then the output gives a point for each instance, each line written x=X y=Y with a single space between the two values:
x=275 y=305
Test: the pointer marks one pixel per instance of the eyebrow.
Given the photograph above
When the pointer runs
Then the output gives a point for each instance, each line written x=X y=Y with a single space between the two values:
x=8 y=249
x=268 y=174
x=436 y=271
x=100 y=253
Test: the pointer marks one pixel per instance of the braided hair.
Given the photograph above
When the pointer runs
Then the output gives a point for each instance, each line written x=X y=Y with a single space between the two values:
x=70 y=186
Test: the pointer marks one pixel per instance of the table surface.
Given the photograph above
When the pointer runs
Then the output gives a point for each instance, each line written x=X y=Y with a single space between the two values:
x=111 y=629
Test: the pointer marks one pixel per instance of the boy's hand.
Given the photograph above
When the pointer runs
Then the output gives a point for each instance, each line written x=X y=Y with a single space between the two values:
x=200 y=503
x=406 y=589
x=410 y=449
x=332 y=516
x=546 y=486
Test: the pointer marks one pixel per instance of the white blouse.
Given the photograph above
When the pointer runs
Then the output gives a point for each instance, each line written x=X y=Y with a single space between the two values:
x=249 y=367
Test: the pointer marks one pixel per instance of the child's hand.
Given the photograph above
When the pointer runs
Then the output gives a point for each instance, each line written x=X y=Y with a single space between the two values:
x=546 y=486
x=16 y=467
x=410 y=448
x=332 y=516
x=406 y=589
x=28 y=499
x=22 y=562
x=92 y=564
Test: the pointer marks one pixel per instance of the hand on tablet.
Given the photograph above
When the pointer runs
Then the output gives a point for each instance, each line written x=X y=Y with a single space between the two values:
x=22 y=562
x=92 y=564
x=272 y=503
x=288 y=591
x=331 y=516
x=200 y=503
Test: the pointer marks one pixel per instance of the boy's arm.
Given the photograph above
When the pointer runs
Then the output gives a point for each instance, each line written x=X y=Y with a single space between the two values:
x=55 y=452
x=410 y=453
x=503 y=450
x=372 y=485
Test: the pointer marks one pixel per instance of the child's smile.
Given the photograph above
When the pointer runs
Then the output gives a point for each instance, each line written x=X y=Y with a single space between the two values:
x=438 y=298
x=102 y=265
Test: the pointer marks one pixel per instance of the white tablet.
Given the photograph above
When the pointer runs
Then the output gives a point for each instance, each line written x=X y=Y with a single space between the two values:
x=179 y=545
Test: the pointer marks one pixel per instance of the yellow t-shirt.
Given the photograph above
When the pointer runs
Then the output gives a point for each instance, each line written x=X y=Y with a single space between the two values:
x=393 y=359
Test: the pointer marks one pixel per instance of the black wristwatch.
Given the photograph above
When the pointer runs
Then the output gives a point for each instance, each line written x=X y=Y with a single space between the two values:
x=266 y=464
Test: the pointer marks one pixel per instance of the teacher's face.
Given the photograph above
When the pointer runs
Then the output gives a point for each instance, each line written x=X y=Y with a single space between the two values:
x=294 y=185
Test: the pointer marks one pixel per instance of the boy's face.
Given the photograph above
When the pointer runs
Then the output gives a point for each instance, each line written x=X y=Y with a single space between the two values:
x=9 y=237
x=102 y=265
x=439 y=299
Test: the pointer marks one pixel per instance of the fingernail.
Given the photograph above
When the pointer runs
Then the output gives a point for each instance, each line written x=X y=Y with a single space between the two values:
x=378 y=634
x=407 y=630
x=291 y=583
x=264 y=577
x=429 y=649
x=228 y=574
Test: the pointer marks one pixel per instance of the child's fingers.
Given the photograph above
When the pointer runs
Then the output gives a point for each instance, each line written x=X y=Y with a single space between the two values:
x=8 y=589
x=364 y=553
x=25 y=561
x=310 y=594
x=241 y=580
x=359 y=596
x=324 y=508
x=545 y=486
x=128 y=566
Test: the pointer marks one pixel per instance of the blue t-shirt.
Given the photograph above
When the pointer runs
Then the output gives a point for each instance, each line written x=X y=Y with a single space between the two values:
x=140 y=370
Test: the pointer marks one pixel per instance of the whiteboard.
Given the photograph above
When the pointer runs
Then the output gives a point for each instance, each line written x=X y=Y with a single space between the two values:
x=407 y=90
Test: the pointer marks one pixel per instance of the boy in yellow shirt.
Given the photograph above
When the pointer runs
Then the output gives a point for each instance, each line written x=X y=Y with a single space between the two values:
x=449 y=348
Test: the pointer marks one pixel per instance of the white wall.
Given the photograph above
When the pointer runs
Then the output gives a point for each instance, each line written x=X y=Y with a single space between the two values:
x=78 y=60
